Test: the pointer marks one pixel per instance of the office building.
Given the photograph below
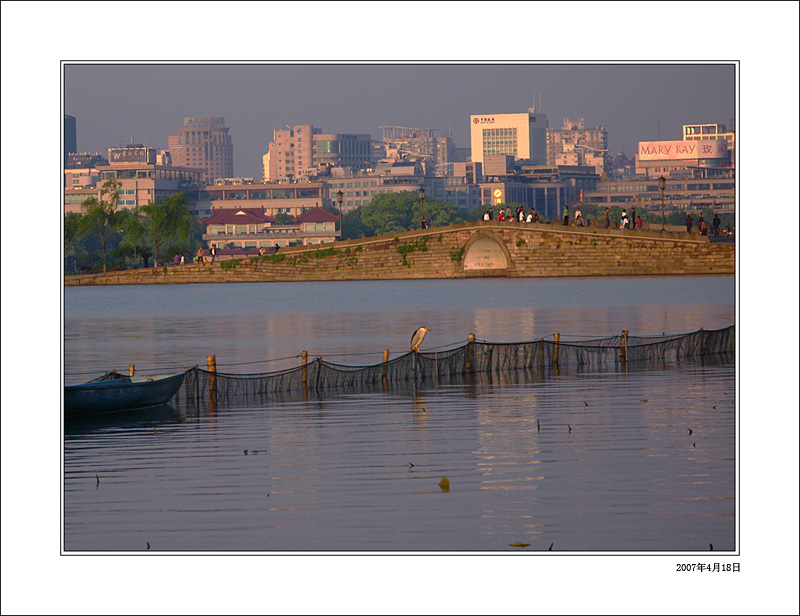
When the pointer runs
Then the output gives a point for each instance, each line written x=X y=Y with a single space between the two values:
x=204 y=143
x=143 y=179
x=70 y=137
x=304 y=151
x=521 y=135
x=272 y=198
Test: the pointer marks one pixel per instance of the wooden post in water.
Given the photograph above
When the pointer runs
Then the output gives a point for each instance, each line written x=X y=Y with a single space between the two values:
x=469 y=366
x=385 y=369
x=623 y=347
x=131 y=370
x=541 y=353
x=211 y=360
x=304 y=363
x=556 y=337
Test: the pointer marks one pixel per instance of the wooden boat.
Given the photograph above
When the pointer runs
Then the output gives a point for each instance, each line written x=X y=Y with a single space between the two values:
x=116 y=392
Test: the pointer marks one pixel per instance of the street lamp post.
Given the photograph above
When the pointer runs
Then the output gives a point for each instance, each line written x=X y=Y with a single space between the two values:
x=422 y=205
x=662 y=184
x=339 y=199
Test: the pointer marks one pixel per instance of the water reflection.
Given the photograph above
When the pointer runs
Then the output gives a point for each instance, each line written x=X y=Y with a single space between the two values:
x=585 y=458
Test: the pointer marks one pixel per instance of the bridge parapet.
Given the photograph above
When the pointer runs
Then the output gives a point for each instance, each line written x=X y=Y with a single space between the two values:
x=478 y=249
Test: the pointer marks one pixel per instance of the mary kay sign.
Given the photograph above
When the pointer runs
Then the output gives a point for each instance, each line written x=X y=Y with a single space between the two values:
x=682 y=150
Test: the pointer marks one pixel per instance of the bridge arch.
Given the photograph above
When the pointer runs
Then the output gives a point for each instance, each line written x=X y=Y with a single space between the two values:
x=486 y=254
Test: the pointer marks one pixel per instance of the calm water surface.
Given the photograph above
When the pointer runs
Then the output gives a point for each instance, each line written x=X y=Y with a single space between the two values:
x=599 y=460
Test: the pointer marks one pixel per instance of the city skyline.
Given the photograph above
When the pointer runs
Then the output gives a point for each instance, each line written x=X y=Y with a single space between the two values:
x=633 y=101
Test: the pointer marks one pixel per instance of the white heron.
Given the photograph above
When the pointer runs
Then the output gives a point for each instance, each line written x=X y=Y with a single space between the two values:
x=417 y=337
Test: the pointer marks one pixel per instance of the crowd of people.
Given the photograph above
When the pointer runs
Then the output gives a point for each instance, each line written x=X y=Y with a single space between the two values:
x=632 y=221
x=505 y=214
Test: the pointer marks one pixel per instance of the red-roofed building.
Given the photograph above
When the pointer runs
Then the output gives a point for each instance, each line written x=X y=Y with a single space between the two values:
x=252 y=228
x=317 y=221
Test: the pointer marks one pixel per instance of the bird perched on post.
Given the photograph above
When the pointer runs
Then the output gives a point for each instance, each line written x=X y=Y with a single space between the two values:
x=417 y=337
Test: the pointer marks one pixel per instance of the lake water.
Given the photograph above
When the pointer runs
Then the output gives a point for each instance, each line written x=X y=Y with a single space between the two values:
x=602 y=460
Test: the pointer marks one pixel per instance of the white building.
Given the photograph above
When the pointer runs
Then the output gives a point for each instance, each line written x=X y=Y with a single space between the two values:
x=521 y=135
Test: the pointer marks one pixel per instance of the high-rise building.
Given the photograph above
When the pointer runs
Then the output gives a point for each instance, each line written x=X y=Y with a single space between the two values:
x=521 y=135
x=204 y=143
x=70 y=137
x=578 y=146
x=700 y=132
x=300 y=150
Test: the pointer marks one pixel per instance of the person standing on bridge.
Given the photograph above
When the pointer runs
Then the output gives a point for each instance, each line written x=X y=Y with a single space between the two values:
x=715 y=224
x=566 y=216
x=608 y=217
x=689 y=223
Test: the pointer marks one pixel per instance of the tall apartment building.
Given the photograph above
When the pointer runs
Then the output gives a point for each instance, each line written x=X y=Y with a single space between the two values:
x=577 y=146
x=521 y=135
x=700 y=132
x=204 y=143
x=70 y=137
x=301 y=150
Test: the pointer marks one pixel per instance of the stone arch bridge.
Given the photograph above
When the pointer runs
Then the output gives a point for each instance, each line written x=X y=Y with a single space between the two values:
x=479 y=249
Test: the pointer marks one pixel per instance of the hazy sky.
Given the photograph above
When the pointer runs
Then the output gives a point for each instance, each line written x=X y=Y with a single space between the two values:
x=114 y=103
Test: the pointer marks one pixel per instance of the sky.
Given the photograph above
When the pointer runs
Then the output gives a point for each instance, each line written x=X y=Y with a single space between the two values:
x=115 y=103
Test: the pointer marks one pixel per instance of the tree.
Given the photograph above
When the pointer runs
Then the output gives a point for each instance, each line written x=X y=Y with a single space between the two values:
x=99 y=216
x=102 y=216
x=282 y=218
x=134 y=232
x=166 y=221
x=73 y=234
x=389 y=213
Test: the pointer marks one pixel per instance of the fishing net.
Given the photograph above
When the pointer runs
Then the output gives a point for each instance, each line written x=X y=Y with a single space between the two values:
x=472 y=362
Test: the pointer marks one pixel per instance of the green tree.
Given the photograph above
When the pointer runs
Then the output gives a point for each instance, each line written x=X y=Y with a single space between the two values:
x=134 y=233
x=100 y=217
x=437 y=213
x=282 y=218
x=389 y=213
x=166 y=221
x=73 y=234
x=352 y=227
